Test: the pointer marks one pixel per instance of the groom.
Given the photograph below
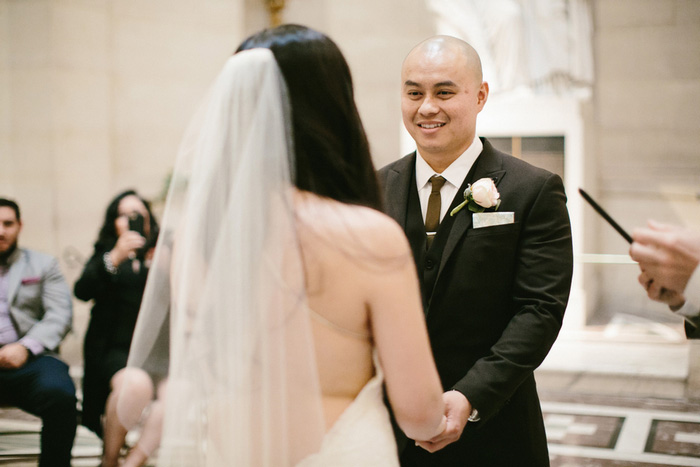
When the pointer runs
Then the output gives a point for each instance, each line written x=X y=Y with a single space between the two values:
x=494 y=284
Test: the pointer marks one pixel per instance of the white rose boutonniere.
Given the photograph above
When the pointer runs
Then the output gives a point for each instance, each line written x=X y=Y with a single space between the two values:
x=480 y=196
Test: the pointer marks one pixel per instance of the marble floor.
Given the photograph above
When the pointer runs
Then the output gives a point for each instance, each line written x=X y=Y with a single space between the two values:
x=618 y=395
x=600 y=431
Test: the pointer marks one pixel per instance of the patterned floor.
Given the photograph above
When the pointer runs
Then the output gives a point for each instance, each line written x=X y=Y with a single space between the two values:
x=621 y=432
x=583 y=431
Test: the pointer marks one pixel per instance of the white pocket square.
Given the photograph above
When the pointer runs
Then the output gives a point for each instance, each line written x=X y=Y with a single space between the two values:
x=489 y=219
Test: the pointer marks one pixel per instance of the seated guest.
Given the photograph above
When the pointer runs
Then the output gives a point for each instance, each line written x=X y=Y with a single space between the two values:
x=35 y=315
x=114 y=278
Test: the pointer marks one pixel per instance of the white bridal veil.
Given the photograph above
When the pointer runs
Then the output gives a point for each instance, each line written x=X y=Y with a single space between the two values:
x=225 y=301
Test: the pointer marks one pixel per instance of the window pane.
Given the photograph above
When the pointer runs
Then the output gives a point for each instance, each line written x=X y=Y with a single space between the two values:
x=546 y=152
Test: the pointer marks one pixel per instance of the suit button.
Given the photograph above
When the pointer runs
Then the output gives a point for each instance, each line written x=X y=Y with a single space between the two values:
x=429 y=264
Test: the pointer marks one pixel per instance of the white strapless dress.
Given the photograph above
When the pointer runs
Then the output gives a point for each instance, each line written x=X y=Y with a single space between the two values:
x=363 y=435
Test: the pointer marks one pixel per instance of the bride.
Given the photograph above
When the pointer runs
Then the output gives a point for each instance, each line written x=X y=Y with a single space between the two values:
x=281 y=296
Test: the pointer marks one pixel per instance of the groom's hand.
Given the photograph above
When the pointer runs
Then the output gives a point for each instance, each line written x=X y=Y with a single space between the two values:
x=457 y=410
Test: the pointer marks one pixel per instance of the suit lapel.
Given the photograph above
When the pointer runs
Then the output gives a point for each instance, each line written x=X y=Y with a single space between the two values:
x=14 y=279
x=487 y=165
x=397 y=188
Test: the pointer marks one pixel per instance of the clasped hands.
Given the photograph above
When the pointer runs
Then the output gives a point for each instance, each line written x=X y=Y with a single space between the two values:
x=667 y=257
x=457 y=411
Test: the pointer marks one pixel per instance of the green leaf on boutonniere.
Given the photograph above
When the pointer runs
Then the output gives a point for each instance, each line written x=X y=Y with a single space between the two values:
x=473 y=207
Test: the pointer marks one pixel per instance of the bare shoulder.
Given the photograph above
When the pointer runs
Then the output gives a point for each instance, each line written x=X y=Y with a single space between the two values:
x=383 y=231
x=349 y=224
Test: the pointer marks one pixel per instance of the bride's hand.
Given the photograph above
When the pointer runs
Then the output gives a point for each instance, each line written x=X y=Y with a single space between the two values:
x=457 y=410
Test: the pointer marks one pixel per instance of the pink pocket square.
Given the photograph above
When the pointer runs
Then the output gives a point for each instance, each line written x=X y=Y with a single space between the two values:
x=31 y=280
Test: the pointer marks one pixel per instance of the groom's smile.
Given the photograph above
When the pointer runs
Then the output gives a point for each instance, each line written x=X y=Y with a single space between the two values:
x=430 y=126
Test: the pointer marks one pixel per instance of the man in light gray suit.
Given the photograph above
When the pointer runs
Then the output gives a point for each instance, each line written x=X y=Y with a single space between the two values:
x=35 y=315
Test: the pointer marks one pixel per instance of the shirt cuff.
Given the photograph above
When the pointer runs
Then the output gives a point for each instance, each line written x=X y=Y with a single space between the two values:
x=691 y=308
x=692 y=291
x=34 y=346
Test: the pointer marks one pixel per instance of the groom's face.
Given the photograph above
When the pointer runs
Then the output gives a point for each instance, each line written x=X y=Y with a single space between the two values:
x=441 y=97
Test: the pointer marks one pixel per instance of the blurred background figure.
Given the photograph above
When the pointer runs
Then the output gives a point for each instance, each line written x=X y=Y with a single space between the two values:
x=114 y=278
x=35 y=315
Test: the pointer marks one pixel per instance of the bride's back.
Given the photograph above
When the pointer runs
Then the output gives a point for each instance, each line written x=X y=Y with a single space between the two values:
x=344 y=248
x=360 y=277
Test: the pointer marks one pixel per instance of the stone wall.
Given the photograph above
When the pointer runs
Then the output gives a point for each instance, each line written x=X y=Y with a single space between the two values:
x=644 y=130
x=374 y=37
x=94 y=97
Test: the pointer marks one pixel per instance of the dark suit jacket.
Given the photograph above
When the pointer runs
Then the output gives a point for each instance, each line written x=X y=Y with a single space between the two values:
x=494 y=301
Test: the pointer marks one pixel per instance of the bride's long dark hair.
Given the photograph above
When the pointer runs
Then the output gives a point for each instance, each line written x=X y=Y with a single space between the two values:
x=330 y=144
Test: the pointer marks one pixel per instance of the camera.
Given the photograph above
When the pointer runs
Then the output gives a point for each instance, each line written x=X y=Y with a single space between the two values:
x=136 y=223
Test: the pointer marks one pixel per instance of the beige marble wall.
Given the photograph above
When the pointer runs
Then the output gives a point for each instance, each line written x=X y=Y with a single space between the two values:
x=374 y=38
x=95 y=96
x=645 y=129
x=5 y=111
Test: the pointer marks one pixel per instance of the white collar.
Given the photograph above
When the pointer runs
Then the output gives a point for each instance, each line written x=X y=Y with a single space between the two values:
x=456 y=172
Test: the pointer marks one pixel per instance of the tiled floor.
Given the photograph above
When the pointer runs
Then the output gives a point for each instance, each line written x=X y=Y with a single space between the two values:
x=618 y=396
x=596 y=431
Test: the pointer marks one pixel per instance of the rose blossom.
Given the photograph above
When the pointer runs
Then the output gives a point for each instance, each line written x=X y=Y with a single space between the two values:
x=485 y=193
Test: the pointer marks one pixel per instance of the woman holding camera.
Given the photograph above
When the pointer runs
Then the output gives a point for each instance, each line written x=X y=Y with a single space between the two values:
x=114 y=278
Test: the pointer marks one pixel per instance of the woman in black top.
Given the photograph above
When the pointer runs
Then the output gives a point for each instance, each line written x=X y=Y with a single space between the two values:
x=114 y=278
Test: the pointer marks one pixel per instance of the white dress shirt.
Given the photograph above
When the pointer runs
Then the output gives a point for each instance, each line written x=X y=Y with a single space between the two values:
x=691 y=308
x=454 y=174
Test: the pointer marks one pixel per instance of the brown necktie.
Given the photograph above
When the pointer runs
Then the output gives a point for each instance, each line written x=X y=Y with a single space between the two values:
x=432 y=217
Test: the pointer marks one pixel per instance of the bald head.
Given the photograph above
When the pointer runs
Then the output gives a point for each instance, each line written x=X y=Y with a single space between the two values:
x=439 y=46
x=442 y=93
